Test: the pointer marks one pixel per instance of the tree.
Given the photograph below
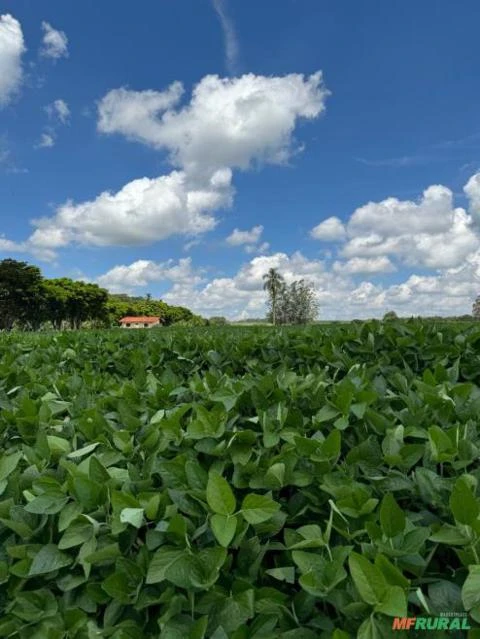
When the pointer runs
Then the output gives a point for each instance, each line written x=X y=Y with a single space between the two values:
x=120 y=305
x=21 y=294
x=74 y=302
x=391 y=315
x=55 y=300
x=273 y=284
x=217 y=320
x=297 y=303
x=476 y=308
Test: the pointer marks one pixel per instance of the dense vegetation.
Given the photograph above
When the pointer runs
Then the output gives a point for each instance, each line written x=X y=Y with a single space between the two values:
x=295 y=303
x=247 y=483
x=30 y=301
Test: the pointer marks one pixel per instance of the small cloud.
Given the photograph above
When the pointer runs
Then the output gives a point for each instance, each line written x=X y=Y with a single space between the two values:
x=47 y=140
x=55 y=43
x=255 y=248
x=188 y=245
x=330 y=230
x=7 y=162
x=405 y=160
x=230 y=37
x=237 y=237
x=58 y=110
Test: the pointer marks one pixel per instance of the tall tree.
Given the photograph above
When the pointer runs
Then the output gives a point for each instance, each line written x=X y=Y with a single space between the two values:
x=476 y=308
x=21 y=294
x=273 y=284
x=296 y=304
x=74 y=302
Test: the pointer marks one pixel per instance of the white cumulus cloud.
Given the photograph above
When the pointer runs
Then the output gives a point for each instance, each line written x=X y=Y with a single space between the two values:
x=58 y=110
x=46 y=141
x=11 y=49
x=379 y=264
x=237 y=237
x=127 y=278
x=228 y=122
x=143 y=211
x=330 y=230
x=430 y=232
x=54 y=42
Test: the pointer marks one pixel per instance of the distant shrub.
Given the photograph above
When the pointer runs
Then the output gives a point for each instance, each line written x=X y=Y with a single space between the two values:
x=391 y=315
x=217 y=321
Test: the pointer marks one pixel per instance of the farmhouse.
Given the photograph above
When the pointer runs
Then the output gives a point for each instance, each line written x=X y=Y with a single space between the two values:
x=140 y=322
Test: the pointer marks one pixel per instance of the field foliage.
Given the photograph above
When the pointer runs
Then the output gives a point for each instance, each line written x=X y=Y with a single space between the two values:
x=247 y=483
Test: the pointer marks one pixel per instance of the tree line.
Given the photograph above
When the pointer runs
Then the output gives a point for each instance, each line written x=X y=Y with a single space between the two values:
x=294 y=303
x=30 y=301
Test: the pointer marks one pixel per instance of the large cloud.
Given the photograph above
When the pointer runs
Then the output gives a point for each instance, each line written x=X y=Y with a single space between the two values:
x=472 y=191
x=127 y=278
x=340 y=294
x=450 y=292
x=431 y=233
x=142 y=212
x=243 y=293
x=228 y=122
x=11 y=49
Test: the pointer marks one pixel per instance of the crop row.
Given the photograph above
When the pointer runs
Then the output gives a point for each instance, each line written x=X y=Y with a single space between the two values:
x=239 y=483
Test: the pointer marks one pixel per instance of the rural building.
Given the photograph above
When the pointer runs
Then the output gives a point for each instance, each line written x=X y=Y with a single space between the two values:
x=140 y=322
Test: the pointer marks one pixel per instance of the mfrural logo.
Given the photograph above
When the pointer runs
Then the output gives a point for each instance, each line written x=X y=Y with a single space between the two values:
x=445 y=622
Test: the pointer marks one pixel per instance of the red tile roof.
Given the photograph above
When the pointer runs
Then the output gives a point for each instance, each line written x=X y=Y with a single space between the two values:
x=142 y=320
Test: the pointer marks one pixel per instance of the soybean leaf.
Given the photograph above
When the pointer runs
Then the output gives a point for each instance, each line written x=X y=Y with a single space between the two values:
x=220 y=497
x=464 y=505
x=223 y=527
x=258 y=508
x=392 y=517
x=48 y=559
x=368 y=579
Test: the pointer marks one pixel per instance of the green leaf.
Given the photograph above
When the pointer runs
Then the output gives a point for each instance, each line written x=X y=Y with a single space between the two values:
x=81 y=452
x=449 y=535
x=47 y=504
x=276 y=474
x=441 y=444
x=463 y=504
x=223 y=527
x=33 y=605
x=258 y=508
x=8 y=463
x=48 y=559
x=393 y=576
x=132 y=516
x=369 y=629
x=368 y=579
x=220 y=497
x=106 y=553
x=326 y=414
x=394 y=603
x=286 y=573
x=76 y=534
x=199 y=629
x=163 y=563
x=392 y=517
x=58 y=445
x=471 y=588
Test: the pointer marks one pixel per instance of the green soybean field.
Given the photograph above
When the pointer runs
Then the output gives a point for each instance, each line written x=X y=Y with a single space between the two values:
x=239 y=482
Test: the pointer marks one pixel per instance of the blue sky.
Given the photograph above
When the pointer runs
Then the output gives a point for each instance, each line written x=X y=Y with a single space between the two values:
x=183 y=147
